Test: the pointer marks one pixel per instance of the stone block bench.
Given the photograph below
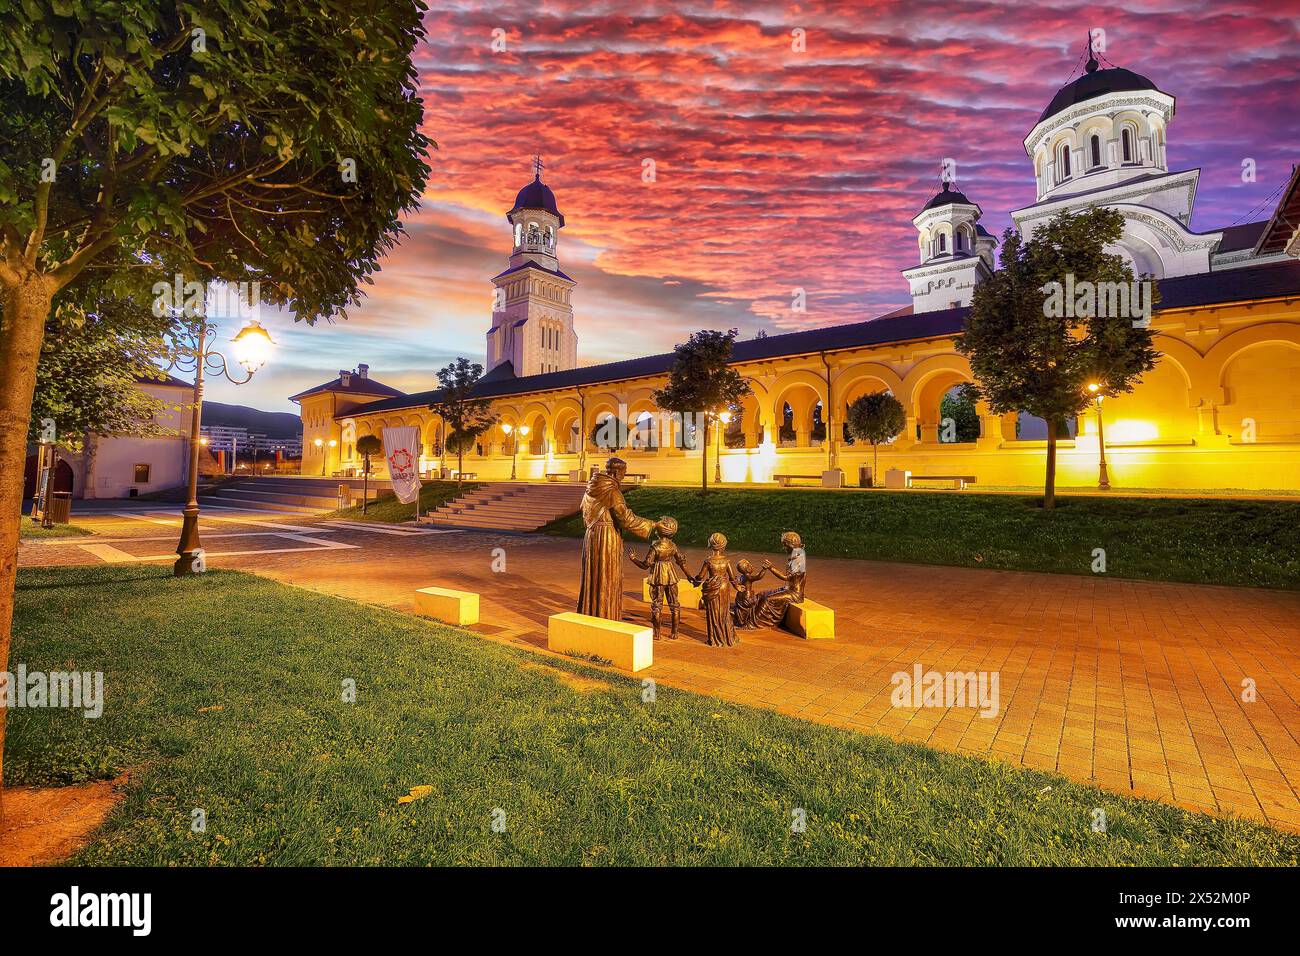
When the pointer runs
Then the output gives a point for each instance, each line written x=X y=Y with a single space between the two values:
x=810 y=620
x=627 y=646
x=688 y=595
x=446 y=604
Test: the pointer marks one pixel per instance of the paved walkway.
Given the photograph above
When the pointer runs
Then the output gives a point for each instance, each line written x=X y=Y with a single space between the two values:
x=1137 y=687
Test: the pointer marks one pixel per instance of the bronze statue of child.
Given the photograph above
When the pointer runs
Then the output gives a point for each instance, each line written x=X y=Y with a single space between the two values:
x=768 y=609
x=662 y=561
x=744 y=609
x=717 y=579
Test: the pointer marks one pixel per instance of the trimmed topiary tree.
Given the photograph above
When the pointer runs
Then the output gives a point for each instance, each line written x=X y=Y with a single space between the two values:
x=876 y=418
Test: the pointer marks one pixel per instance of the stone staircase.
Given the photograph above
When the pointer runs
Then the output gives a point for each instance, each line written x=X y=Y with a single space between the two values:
x=287 y=495
x=508 y=506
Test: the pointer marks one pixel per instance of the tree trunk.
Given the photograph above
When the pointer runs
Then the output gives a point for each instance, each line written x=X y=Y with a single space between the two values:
x=460 y=465
x=22 y=325
x=704 y=458
x=1049 y=489
x=875 y=463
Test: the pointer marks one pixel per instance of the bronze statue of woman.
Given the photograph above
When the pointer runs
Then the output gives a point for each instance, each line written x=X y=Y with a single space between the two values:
x=605 y=514
x=768 y=608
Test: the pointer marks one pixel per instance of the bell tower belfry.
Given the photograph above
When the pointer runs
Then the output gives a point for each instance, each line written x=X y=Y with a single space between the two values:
x=532 y=310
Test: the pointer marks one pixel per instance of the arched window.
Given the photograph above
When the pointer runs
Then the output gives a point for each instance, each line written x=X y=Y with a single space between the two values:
x=1126 y=138
x=957 y=240
x=943 y=242
x=1096 y=150
x=1063 y=162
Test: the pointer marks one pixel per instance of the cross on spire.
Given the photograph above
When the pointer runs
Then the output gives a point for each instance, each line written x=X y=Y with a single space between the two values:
x=538 y=165
x=1092 y=64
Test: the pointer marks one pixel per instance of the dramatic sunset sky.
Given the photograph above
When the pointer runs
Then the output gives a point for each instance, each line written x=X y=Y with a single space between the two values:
x=774 y=169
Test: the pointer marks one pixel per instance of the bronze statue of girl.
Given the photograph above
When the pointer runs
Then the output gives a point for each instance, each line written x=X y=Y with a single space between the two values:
x=716 y=580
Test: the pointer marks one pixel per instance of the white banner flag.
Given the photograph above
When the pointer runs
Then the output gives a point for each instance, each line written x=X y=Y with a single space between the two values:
x=402 y=450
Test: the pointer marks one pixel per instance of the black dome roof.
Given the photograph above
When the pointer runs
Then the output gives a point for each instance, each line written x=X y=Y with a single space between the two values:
x=536 y=195
x=945 y=196
x=1093 y=84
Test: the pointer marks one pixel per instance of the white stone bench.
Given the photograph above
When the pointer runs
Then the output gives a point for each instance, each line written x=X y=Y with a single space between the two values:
x=810 y=620
x=446 y=604
x=627 y=646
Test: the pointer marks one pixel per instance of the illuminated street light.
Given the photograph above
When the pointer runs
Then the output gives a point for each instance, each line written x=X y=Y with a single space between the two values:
x=1103 y=481
x=251 y=348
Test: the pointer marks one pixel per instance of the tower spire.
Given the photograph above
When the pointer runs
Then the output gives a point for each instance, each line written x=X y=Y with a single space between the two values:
x=1092 y=63
x=537 y=166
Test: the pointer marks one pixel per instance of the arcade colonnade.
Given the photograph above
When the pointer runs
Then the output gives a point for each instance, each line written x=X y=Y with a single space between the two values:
x=1221 y=410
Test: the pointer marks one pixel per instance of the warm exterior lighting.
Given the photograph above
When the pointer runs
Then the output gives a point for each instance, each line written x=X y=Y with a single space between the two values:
x=318 y=443
x=507 y=427
x=252 y=346
x=1103 y=480
x=523 y=430
x=726 y=418
x=251 y=349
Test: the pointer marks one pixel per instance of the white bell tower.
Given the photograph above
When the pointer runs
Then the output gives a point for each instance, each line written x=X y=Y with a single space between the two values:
x=956 y=252
x=532 y=310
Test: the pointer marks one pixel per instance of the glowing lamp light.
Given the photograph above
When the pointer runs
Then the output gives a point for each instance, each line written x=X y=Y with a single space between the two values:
x=507 y=427
x=524 y=430
x=726 y=418
x=252 y=346
x=318 y=442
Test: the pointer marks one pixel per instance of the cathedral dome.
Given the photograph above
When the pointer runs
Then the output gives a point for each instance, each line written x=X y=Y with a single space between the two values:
x=536 y=195
x=946 y=196
x=1096 y=83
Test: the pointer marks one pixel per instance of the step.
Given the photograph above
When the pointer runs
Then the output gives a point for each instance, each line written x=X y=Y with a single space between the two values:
x=248 y=505
x=284 y=497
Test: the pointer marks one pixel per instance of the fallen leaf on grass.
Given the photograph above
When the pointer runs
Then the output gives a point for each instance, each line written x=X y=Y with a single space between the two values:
x=417 y=793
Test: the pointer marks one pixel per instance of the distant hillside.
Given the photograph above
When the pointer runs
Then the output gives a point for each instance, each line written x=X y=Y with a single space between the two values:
x=271 y=424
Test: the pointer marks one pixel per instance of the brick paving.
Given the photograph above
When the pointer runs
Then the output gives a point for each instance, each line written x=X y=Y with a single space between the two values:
x=1134 y=686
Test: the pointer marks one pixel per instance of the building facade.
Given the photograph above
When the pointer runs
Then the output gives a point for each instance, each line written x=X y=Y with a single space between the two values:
x=1220 y=410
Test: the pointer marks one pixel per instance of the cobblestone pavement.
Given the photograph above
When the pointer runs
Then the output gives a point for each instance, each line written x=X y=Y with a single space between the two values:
x=1135 y=686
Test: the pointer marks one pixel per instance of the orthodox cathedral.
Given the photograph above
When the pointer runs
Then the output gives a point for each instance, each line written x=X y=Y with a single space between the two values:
x=1221 y=410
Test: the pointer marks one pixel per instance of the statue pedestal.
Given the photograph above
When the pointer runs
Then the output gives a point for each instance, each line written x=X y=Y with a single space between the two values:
x=454 y=607
x=688 y=595
x=627 y=646
x=810 y=620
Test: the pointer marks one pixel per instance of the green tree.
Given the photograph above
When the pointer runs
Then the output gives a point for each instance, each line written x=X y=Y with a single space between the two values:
x=367 y=445
x=465 y=415
x=1032 y=350
x=701 y=385
x=876 y=418
x=229 y=139
x=958 y=408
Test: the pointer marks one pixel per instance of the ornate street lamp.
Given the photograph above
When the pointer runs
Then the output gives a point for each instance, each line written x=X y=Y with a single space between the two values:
x=514 y=445
x=725 y=418
x=251 y=349
x=1103 y=481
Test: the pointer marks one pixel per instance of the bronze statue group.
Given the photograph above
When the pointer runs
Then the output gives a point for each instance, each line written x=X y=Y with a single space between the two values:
x=727 y=594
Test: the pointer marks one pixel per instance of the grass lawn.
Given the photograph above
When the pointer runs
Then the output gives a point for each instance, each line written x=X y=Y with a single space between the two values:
x=1205 y=541
x=224 y=693
x=386 y=508
x=29 y=529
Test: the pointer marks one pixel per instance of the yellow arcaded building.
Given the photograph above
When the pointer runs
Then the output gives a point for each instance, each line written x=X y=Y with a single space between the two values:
x=1221 y=410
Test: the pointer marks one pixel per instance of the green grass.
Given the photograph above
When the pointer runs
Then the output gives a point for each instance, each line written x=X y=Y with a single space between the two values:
x=1205 y=541
x=290 y=774
x=29 y=529
x=387 y=509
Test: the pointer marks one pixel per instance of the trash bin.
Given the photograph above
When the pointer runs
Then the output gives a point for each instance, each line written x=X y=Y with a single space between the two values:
x=345 y=496
x=61 y=507
x=864 y=476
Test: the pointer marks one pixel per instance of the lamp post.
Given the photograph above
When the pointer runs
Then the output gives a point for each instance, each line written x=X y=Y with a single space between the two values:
x=514 y=443
x=725 y=418
x=251 y=348
x=1103 y=481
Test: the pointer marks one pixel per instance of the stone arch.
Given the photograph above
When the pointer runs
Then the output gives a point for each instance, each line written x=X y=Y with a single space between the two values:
x=923 y=389
x=796 y=397
x=1226 y=349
